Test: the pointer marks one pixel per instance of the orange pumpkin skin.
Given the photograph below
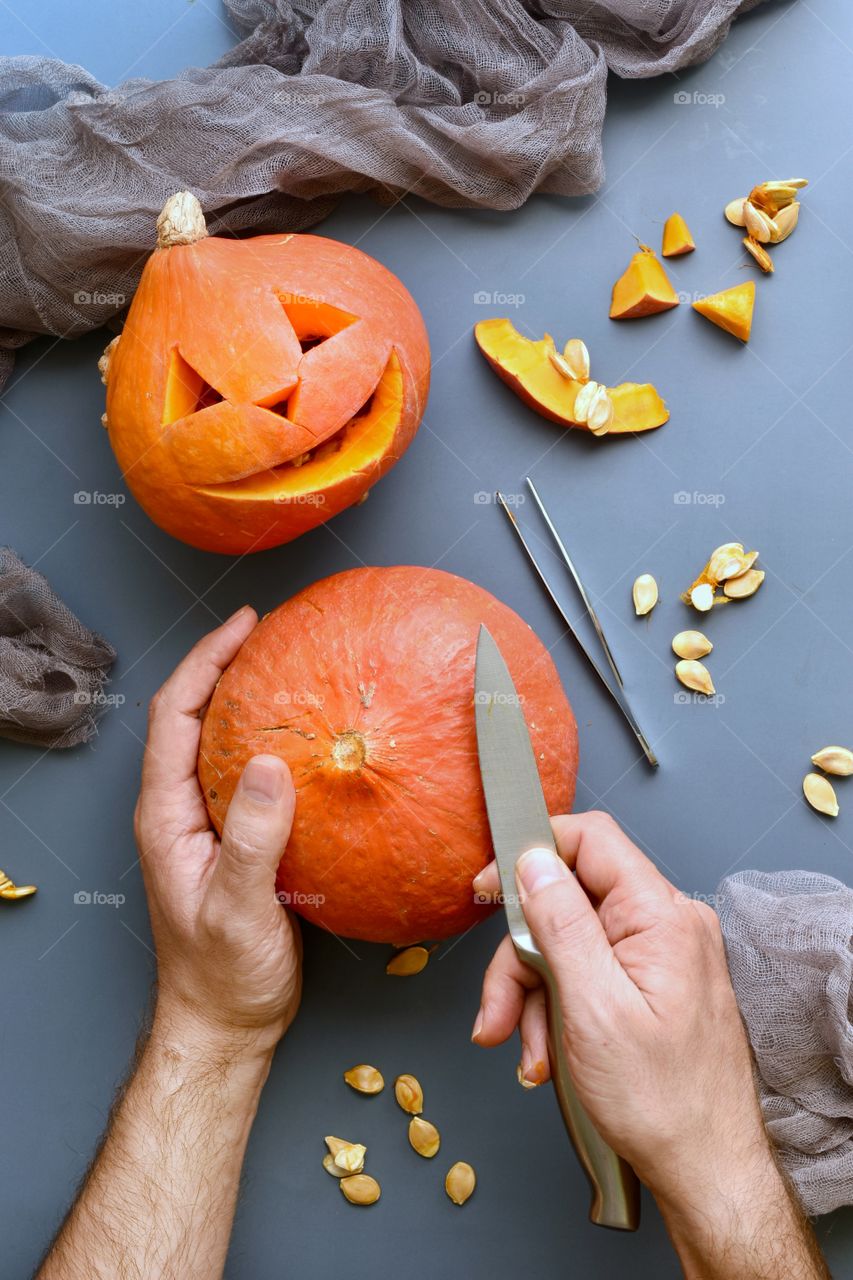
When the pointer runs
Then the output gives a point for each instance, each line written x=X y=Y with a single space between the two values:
x=211 y=398
x=364 y=684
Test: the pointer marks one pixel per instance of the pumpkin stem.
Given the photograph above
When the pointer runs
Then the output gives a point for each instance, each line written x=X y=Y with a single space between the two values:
x=181 y=221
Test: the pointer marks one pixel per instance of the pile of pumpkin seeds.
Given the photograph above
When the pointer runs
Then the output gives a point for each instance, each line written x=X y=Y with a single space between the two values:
x=345 y=1160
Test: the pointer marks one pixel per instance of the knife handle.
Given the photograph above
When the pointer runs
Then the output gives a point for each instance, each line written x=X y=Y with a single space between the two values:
x=615 y=1187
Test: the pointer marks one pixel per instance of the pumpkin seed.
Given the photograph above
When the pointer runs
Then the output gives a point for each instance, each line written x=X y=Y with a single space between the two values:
x=576 y=357
x=11 y=891
x=726 y=561
x=758 y=224
x=773 y=196
x=348 y=1156
x=645 y=594
x=702 y=597
x=600 y=413
x=691 y=644
x=361 y=1189
x=424 y=1137
x=745 y=584
x=820 y=794
x=583 y=401
x=760 y=254
x=334 y=1169
x=409 y=1094
x=835 y=760
x=364 y=1079
x=694 y=675
x=561 y=365
x=460 y=1182
x=522 y=1079
x=734 y=212
x=786 y=220
x=408 y=962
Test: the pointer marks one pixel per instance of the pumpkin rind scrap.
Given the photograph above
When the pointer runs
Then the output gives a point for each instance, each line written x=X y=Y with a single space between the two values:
x=364 y=684
x=261 y=386
x=525 y=366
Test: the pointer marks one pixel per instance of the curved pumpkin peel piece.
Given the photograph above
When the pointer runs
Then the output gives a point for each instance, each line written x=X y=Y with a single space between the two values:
x=677 y=239
x=526 y=366
x=643 y=289
x=731 y=309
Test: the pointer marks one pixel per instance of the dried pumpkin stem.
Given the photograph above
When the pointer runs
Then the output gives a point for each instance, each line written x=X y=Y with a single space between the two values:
x=181 y=221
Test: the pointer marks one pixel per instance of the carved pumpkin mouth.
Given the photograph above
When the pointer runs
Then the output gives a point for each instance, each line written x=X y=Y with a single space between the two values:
x=359 y=444
x=333 y=414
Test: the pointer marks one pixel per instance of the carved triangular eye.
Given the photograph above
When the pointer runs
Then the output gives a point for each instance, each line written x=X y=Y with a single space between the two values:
x=313 y=321
x=186 y=390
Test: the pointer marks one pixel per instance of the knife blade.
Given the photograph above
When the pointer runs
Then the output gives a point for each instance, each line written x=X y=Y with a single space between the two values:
x=519 y=821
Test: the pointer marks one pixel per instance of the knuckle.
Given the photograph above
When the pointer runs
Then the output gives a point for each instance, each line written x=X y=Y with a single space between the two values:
x=602 y=823
x=245 y=842
x=560 y=926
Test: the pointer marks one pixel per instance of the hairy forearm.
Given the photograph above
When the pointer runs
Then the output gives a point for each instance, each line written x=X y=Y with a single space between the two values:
x=160 y=1198
x=741 y=1222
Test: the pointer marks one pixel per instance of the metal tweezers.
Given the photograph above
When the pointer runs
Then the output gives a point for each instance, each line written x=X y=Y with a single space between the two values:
x=619 y=696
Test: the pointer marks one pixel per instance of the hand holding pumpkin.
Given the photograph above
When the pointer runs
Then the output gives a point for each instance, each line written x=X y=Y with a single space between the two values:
x=228 y=956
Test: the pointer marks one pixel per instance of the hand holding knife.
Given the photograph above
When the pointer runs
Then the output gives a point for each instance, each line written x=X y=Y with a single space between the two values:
x=519 y=822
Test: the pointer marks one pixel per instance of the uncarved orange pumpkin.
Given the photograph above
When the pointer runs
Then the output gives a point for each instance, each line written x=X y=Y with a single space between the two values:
x=364 y=684
x=260 y=386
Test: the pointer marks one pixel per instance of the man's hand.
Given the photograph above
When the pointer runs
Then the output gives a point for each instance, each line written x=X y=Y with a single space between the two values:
x=227 y=954
x=655 y=1045
x=159 y=1199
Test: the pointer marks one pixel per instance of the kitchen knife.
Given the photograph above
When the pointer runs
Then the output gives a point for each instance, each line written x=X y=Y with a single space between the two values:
x=519 y=821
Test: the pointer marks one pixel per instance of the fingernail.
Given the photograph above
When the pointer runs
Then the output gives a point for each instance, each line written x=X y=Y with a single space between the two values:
x=538 y=868
x=478 y=880
x=478 y=1025
x=235 y=616
x=263 y=779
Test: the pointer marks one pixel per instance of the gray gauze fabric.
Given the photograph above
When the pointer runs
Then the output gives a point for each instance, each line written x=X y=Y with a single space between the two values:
x=474 y=103
x=789 y=941
x=52 y=668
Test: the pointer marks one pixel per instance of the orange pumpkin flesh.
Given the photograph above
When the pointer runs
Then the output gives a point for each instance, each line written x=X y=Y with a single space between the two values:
x=239 y=359
x=526 y=366
x=364 y=684
x=643 y=289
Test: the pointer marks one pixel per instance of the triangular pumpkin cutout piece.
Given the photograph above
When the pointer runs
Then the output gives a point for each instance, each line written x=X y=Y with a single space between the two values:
x=677 y=239
x=731 y=309
x=643 y=289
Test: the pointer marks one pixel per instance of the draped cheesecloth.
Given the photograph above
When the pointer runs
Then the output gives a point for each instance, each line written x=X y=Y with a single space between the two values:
x=462 y=102
x=789 y=942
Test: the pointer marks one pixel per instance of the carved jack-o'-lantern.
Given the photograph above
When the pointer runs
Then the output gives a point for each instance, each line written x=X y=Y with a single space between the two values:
x=260 y=386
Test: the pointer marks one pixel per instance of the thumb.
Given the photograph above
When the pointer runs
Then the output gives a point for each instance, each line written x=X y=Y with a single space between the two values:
x=257 y=827
x=566 y=929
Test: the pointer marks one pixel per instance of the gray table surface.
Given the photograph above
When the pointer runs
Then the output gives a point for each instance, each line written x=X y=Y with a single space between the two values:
x=759 y=443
